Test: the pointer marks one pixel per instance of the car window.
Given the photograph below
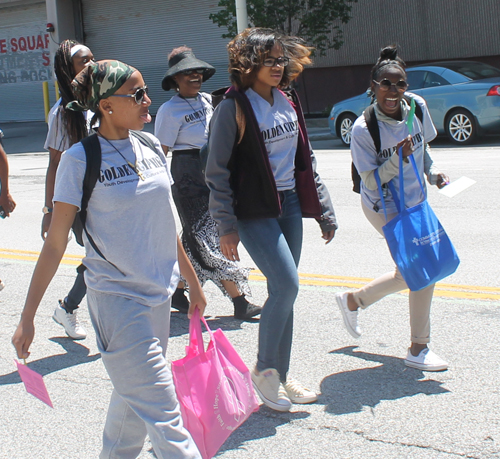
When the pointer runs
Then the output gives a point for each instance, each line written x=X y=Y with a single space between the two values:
x=473 y=70
x=416 y=79
x=433 y=79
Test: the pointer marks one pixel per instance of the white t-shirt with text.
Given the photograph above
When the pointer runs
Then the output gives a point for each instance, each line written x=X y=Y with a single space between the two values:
x=130 y=220
x=279 y=126
x=182 y=123
x=366 y=158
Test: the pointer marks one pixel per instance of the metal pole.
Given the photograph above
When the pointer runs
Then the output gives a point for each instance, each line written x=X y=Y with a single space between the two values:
x=46 y=100
x=241 y=15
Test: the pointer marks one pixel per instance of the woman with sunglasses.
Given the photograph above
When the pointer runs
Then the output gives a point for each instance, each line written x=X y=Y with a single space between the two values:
x=388 y=84
x=262 y=180
x=131 y=221
x=182 y=126
x=66 y=128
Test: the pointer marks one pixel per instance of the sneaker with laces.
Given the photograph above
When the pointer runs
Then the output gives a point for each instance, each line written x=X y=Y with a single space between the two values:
x=267 y=385
x=350 y=317
x=69 y=321
x=426 y=361
x=297 y=393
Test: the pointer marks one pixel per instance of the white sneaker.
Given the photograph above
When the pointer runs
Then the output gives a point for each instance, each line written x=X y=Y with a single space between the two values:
x=350 y=317
x=297 y=393
x=426 y=360
x=267 y=385
x=70 y=322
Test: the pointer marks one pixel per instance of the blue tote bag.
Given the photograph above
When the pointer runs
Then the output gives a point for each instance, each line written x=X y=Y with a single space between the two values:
x=417 y=241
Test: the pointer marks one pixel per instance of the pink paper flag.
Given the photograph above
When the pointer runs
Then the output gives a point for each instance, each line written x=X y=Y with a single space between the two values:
x=34 y=384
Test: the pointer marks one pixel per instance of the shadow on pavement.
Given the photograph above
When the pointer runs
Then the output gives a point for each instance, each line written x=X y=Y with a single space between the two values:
x=179 y=323
x=261 y=424
x=350 y=391
x=76 y=354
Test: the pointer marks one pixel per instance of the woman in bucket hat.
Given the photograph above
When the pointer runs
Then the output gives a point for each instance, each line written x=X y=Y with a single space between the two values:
x=182 y=127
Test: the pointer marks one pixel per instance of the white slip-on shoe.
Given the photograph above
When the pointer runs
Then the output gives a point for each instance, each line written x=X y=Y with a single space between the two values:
x=70 y=322
x=426 y=361
x=350 y=317
x=297 y=393
x=267 y=385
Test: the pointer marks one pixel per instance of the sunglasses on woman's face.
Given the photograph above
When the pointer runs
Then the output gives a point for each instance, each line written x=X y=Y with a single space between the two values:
x=138 y=95
x=385 y=85
x=189 y=72
x=275 y=61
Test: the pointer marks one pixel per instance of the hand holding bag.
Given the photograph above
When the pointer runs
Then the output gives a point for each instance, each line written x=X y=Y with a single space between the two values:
x=214 y=388
x=417 y=241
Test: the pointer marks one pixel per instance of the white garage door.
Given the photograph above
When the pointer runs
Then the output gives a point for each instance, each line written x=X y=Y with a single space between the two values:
x=142 y=34
x=24 y=62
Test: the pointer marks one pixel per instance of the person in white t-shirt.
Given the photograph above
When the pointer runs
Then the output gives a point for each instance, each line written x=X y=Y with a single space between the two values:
x=66 y=128
x=388 y=83
x=182 y=127
x=132 y=276
x=262 y=180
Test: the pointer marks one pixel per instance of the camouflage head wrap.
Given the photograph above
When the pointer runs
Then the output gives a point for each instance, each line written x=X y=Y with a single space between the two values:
x=98 y=81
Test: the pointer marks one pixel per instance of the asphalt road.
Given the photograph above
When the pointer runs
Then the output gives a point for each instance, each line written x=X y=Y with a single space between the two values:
x=371 y=406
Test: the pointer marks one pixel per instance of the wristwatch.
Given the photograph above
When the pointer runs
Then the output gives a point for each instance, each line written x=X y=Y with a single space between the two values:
x=47 y=210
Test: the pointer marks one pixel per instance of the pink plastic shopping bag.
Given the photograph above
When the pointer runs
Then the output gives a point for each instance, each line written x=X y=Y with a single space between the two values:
x=214 y=388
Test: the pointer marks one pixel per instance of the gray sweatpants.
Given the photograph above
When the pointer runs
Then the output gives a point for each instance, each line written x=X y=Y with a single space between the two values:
x=132 y=339
x=392 y=282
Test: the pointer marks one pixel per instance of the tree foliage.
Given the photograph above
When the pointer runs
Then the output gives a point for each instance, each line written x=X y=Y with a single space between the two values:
x=316 y=21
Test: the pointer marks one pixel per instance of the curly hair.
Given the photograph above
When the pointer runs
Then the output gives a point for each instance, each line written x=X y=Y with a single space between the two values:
x=388 y=57
x=74 y=122
x=248 y=50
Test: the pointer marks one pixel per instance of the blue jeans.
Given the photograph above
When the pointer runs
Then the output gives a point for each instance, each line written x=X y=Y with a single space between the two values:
x=77 y=292
x=275 y=245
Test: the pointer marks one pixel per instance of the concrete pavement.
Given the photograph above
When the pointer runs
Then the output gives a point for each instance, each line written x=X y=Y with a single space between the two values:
x=371 y=405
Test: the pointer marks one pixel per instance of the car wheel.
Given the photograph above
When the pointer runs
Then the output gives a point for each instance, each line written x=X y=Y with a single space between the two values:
x=461 y=127
x=345 y=128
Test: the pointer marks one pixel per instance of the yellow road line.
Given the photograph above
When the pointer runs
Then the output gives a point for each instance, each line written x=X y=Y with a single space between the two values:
x=442 y=290
x=27 y=255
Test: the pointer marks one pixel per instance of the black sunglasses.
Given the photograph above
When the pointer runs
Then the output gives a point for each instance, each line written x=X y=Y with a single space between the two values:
x=138 y=95
x=385 y=85
x=191 y=71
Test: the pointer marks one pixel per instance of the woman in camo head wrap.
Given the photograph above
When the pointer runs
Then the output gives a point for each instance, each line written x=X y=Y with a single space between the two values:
x=130 y=282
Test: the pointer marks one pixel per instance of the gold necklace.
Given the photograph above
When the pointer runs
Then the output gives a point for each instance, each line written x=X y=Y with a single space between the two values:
x=132 y=166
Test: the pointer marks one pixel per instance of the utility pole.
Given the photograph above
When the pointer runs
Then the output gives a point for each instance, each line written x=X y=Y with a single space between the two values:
x=241 y=15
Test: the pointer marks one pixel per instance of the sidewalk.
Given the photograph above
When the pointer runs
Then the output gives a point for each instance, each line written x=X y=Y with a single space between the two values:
x=29 y=137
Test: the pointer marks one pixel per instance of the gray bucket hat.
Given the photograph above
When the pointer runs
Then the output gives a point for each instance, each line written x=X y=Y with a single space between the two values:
x=185 y=61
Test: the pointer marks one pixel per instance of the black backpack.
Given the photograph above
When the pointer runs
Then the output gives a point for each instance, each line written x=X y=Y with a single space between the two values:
x=93 y=158
x=373 y=129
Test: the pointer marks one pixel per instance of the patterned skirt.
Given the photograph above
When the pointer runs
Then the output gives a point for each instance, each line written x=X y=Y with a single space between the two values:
x=199 y=232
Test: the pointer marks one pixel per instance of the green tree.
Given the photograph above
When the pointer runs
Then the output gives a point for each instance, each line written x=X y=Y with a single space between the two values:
x=316 y=21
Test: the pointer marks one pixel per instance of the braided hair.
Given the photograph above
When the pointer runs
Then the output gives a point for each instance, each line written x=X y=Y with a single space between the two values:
x=388 y=57
x=74 y=122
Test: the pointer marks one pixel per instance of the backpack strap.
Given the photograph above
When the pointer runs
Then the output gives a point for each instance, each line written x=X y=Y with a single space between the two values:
x=93 y=156
x=372 y=126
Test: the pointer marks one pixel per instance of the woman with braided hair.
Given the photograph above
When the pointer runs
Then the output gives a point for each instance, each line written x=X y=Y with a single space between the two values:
x=66 y=128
